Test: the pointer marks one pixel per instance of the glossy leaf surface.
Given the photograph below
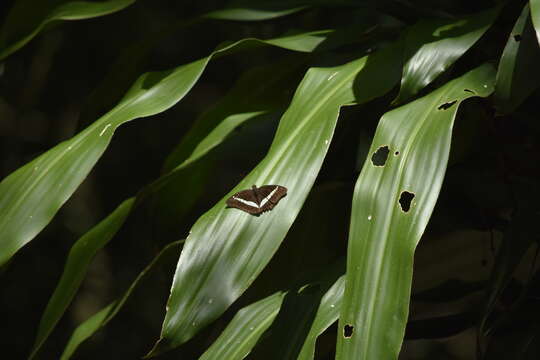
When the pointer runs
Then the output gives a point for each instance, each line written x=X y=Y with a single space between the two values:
x=228 y=248
x=392 y=205
x=432 y=46
x=242 y=333
x=31 y=196
x=327 y=314
x=250 y=97
x=131 y=60
x=244 y=330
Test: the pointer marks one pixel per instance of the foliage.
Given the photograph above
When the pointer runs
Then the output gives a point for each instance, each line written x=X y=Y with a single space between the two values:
x=393 y=124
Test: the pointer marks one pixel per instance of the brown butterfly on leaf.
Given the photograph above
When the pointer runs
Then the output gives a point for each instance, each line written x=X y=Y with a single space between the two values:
x=257 y=200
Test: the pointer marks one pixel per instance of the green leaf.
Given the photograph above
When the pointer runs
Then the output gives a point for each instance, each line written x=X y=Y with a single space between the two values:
x=249 y=98
x=247 y=10
x=281 y=76
x=432 y=46
x=28 y=17
x=130 y=62
x=245 y=329
x=102 y=317
x=384 y=231
x=518 y=75
x=255 y=11
x=535 y=15
x=227 y=248
x=31 y=196
x=79 y=258
x=327 y=314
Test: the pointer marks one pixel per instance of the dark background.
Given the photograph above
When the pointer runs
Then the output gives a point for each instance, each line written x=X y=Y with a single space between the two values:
x=53 y=87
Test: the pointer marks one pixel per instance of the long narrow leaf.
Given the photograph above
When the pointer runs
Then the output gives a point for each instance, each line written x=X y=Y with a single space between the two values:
x=243 y=332
x=249 y=98
x=255 y=11
x=18 y=30
x=431 y=46
x=102 y=317
x=518 y=75
x=393 y=201
x=31 y=196
x=129 y=63
x=327 y=314
x=535 y=15
x=227 y=248
x=223 y=124
x=79 y=258
x=245 y=329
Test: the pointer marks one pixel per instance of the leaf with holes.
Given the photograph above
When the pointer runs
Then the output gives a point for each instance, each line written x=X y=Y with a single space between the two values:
x=518 y=75
x=228 y=248
x=327 y=314
x=392 y=204
x=247 y=326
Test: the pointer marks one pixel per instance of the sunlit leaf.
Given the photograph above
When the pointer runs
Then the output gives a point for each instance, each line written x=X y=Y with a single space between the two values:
x=432 y=46
x=31 y=196
x=228 y=248
x=535 y=15
x=393 y=201
x=102 y=317
x=79 y=258
x=245 y=329
x=27 y=18
x=130 y=61
x=249 y=98
x=327 y=314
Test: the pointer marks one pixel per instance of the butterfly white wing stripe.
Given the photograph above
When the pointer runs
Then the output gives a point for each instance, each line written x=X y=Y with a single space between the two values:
x=266 y=199
x=246 y=202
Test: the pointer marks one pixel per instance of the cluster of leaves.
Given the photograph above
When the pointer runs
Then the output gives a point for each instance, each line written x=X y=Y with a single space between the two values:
x=398 y=72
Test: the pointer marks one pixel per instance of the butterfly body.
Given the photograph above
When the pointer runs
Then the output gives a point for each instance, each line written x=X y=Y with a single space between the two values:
x=257 y=200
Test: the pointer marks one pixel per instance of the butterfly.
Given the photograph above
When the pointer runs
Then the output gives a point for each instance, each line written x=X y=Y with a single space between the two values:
x=257 y=200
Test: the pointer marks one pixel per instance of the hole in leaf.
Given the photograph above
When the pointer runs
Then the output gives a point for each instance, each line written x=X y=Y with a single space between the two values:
x=447 y=105
x=379 y=157
x=517 y=37
x=469 y=91
x=405 y=200
x=348 y=331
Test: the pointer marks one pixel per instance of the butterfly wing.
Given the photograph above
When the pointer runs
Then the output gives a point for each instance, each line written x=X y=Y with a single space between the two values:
x=258 y=200
x=244 y=200
x=270 y=195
